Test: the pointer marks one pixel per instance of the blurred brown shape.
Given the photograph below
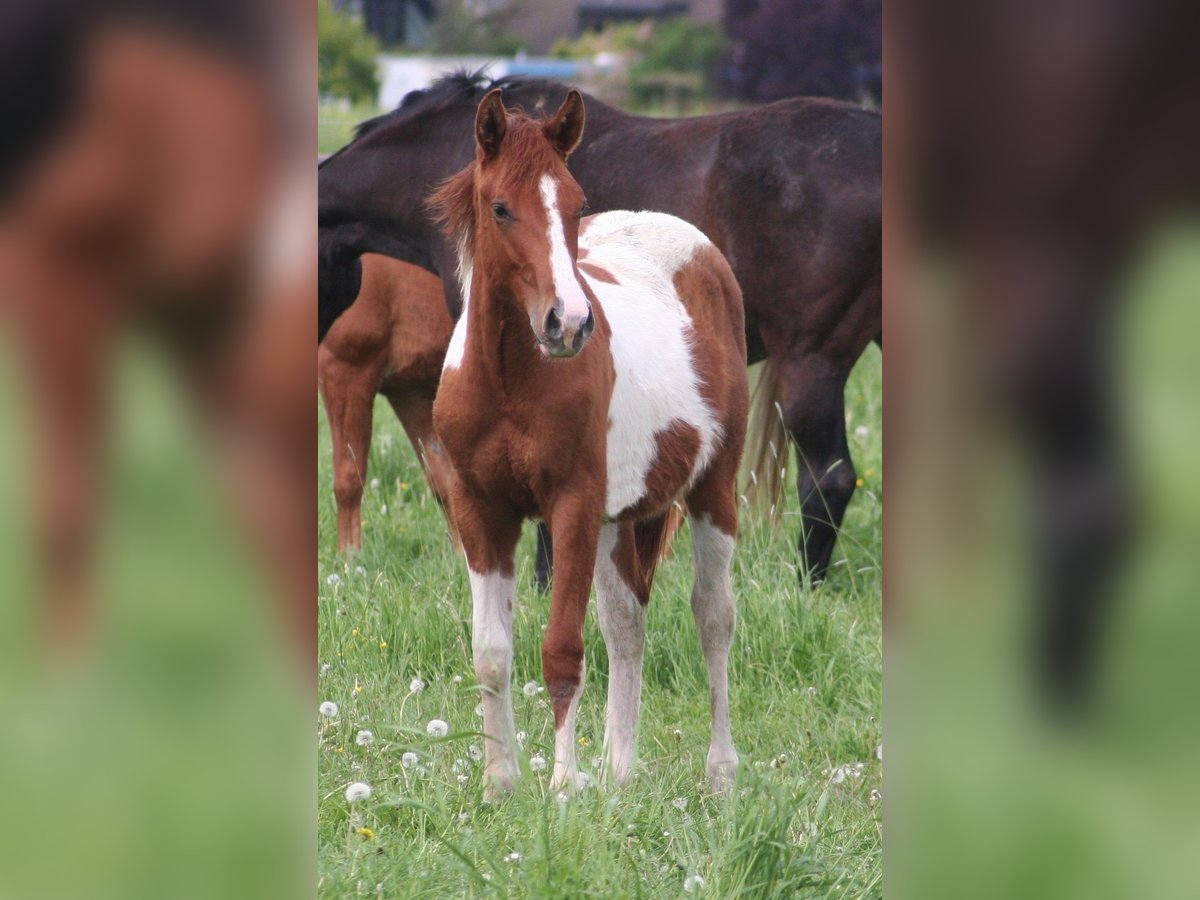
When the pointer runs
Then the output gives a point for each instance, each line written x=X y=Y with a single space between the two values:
x=167 y=187
x=1047 y=141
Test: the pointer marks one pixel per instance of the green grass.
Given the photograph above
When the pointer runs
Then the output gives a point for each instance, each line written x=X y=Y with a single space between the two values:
x=806 y=699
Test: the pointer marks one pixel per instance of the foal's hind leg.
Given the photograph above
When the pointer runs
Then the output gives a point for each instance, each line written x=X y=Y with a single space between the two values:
x=714 y=528
x=621 y=600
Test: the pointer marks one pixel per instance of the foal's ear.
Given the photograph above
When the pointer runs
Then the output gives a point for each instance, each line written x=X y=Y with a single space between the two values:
x=491 y=121
x=565 y=130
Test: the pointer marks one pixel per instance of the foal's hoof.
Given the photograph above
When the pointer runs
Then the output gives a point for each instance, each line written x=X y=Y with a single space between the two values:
x=721 y=775
x=498 y=784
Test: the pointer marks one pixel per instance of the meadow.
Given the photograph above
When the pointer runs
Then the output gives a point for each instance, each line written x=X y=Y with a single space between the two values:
x=806 y=678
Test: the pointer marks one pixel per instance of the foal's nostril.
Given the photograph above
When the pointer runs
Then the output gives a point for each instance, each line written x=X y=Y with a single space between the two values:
x=589 y=323
x=553 y=327
x=577 y=341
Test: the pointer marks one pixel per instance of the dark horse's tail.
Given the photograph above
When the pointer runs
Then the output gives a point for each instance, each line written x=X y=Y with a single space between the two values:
x=766 y=445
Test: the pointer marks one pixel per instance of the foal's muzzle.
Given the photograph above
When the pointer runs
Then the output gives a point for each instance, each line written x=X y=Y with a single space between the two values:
x=563 y=335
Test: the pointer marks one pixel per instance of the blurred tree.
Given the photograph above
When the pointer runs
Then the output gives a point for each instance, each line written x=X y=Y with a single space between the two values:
x=346 y=55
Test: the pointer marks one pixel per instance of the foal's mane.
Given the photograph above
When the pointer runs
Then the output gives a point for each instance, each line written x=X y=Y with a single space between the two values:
x=452 y=203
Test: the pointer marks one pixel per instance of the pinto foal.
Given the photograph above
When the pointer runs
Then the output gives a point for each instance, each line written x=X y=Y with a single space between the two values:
x=597 y=373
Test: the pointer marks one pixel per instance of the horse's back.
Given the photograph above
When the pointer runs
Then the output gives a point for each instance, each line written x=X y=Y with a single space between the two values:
x=678 y=350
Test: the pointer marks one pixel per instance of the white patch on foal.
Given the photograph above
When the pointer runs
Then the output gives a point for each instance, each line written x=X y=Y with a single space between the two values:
x=623 y=623
x=566 y=281
x=656 y=380
x=492 y=597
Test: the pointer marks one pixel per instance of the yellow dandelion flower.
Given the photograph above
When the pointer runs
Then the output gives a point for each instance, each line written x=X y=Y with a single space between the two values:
x=383 y=645
x=340 y=750
x=585 y=741
x=355 y=633
x=367 y=833
x=859 y=482
x=404 y=485
x=870 y=472
x=358 y=688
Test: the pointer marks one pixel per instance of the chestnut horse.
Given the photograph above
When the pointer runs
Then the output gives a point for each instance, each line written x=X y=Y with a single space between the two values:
x=597 y=374
x=391 y=342
x=789 y=192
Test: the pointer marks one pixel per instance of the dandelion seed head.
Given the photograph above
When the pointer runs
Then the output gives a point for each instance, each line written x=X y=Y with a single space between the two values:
x=457 y=679
x=693 y=883
x=437 y=728
x=679 y=803
x=383 y=509
x=531 y=689
x=333 y=579
x=409 y=759
x=513 y=857
x=416 y=685
x=479 y=709
x=360 y=790
x=522 y=737
x=360 y=570
x=326 y=668
x=537 y=763
x=328 y=709
x=364 y=738
x=474 y=752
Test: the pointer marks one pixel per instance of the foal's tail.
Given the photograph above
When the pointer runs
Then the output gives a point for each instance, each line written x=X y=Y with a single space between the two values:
x=766 y=445
x=651 y=538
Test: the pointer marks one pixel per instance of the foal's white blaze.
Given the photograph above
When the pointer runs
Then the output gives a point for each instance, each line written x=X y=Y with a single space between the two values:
x=562 y=267
x=492 y=597
x=656 y=381
x=623 y=623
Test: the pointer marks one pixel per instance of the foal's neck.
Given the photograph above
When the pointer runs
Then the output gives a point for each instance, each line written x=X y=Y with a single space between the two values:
x=500 y=342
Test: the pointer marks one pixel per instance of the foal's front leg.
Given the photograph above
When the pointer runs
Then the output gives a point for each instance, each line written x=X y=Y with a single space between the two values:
x=575 y=527
x=489 y=539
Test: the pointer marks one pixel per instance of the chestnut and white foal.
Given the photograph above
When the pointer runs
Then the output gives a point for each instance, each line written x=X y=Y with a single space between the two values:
x=597 y=374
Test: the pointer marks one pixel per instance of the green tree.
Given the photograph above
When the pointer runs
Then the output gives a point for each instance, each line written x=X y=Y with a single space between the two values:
x=345 y=56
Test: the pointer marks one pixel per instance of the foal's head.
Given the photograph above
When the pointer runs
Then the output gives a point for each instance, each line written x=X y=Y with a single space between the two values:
x=518 y=210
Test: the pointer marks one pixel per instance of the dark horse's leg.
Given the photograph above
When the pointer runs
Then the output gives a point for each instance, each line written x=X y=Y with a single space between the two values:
x=545 y=549
x=814 y=413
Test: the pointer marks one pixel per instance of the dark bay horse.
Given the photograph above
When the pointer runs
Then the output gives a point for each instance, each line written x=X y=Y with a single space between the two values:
x=789 y=192
x=596 y=375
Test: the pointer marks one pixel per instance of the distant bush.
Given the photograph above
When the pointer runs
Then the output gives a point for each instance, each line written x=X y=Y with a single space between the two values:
x=346 y=55
x=671 y=63
x=676 y=63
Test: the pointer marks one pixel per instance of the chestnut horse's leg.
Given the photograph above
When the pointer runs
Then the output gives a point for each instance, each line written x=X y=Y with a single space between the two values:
x=69 y=341
x=414 y=408
x=714 y=529
x=622 y=609
x=348 y=392
x=575 y=527
x=489 y=534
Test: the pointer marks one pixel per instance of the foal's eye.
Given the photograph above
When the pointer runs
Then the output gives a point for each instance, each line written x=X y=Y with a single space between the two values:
x=500 y=211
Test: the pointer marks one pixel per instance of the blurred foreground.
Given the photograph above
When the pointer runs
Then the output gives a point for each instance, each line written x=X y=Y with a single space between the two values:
x=156 y=239
x=1041 y=537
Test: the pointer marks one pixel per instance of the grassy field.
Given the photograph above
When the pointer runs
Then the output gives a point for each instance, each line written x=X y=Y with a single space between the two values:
x=806 y=697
